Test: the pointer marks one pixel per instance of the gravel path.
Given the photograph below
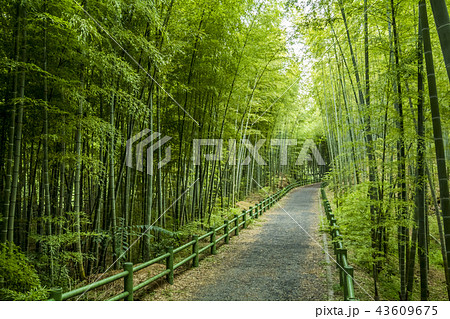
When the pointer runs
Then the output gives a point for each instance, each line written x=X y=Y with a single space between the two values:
x=282 y=263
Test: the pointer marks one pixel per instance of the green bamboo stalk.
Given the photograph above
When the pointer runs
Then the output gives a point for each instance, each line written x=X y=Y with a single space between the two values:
x=442 y=21
x=149 y=192
x=402 y=230
x=47 y=202
x=18 y=135
x=77 y=194
x=10 y=158
x=437 y=129
x=420 y=188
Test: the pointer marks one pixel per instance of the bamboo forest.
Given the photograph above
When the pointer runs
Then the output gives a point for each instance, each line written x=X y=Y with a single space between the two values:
x=147 y=133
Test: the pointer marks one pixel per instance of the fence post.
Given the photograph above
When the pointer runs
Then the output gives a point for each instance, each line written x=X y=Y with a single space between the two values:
x=169 y=265
x=236 y=223
x=195 y=251
x=327 y=209
x=213 y=240
x=340 y=253
x=128 y=281
x=349 y=272
x=332 y=221
x=256 y=211
x=336 y=242
x=227 y=235
x=260 y=208
x=335 y=231
x=245 y=219
x=56 y=293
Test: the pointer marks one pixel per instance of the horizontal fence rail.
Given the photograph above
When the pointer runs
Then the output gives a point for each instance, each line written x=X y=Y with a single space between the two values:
x=214 y=236
x=345 y=270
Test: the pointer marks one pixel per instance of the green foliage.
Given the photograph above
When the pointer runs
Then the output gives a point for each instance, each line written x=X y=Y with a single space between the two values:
x=192 y=228
x=20 y=280
x=435 y=257
x=162 y=238
x=389 y=280
x=367 y=85
x=35 y=294
x=225 y=63
x=264 y=191
x=236 y=211
x=56 y=261
x=159 y=247
x=353 y=215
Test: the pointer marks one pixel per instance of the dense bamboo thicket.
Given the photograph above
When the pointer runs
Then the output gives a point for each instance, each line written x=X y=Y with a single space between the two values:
x=379 y=75
x=80 y=78
x=368 y=81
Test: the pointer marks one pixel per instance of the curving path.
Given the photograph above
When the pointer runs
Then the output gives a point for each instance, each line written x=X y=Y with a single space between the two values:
x=283 y=263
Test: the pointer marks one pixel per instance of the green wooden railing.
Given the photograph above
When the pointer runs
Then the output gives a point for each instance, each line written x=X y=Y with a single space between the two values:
x=345 y=270
x=213 y=237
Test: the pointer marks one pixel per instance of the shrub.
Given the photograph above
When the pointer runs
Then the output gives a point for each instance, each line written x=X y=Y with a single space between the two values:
x=20 y=280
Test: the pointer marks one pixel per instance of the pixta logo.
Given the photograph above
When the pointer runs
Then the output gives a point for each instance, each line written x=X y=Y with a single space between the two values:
x=253 y=151
x=150 y=149
x=148 y=143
